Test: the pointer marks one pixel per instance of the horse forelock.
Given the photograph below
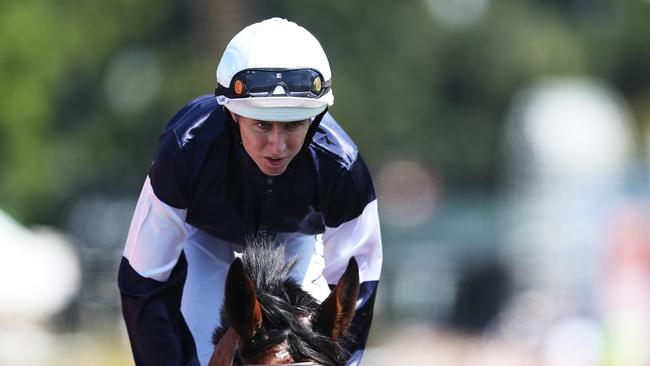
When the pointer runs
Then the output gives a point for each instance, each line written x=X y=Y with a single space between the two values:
x=287 y=309
x=264 y=261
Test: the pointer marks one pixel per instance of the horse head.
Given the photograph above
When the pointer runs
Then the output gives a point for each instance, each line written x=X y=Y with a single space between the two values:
x=268 y=319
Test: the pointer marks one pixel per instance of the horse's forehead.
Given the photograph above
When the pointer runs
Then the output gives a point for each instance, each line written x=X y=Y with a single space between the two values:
x=281 y=351
x=277 y=355
x=305 y=319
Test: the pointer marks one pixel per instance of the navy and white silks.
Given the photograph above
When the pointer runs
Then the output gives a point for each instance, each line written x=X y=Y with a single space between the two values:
x=204 y=196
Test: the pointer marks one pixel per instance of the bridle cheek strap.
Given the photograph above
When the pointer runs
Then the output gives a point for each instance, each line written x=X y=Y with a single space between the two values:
x=224 y=351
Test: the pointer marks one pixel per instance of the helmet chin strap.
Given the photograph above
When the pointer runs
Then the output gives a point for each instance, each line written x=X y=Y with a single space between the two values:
x=313 y=127
x=232 y=124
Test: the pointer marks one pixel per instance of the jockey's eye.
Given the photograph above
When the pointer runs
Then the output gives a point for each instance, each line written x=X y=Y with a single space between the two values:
x=292 y=126
x=264 y=126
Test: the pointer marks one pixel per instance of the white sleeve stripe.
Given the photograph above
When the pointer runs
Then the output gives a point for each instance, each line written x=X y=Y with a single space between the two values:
x=156 y=236
x=359 y=237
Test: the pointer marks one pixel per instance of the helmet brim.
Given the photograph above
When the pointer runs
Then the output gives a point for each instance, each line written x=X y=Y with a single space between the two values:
x=278 y=109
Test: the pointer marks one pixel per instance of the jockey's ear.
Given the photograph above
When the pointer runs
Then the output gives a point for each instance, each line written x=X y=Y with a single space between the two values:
x=242 y=308
x=336 y=312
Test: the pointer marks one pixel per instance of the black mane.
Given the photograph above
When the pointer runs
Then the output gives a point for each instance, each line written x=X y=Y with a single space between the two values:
x=288 y=311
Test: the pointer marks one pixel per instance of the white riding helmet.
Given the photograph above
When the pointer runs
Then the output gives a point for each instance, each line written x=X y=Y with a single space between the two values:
x=274 y=70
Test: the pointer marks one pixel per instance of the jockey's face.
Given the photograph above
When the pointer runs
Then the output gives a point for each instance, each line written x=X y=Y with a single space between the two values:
x=271 y=145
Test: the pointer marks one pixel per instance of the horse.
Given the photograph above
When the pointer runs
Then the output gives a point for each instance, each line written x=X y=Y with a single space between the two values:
x=267 y=318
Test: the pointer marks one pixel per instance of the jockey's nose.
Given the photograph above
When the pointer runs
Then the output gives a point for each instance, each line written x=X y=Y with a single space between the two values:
x=277 y=140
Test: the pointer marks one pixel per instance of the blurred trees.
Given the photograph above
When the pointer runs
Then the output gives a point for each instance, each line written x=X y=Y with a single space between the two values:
x=87 y=86
x=408 y=85
x=59 y=135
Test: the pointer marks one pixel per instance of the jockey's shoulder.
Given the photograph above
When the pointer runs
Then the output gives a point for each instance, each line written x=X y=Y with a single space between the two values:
x=331 y=140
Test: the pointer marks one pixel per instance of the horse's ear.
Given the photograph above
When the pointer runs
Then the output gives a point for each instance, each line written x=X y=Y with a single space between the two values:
x=336 y=312
x=242 y=308
x=224 y=351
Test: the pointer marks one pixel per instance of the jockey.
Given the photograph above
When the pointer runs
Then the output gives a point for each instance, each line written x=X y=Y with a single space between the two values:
x=261 y=156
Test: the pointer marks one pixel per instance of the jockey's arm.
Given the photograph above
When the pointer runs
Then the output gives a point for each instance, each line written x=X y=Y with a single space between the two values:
x=151 y=278
x=356 y=234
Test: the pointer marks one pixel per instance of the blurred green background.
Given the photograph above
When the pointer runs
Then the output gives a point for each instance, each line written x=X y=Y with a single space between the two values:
x=78 y=114
x=85 y=88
